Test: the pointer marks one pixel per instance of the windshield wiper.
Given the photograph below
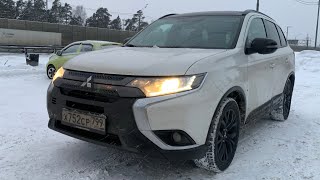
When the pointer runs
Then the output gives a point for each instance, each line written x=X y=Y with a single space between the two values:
x=172 y=47
x=130 y=45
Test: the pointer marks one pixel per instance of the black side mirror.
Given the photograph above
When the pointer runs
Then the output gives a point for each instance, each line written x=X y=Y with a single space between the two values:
x=59 y=53
x=126 y=40
x=262 y=46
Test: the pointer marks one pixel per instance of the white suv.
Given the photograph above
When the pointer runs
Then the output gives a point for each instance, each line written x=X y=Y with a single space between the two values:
x=182 y=87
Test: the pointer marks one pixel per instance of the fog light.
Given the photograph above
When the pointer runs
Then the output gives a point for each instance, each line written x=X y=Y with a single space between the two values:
x=176 y=137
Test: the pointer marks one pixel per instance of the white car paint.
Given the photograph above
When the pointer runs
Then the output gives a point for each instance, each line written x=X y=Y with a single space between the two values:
x=140 y=61
x=192 y=111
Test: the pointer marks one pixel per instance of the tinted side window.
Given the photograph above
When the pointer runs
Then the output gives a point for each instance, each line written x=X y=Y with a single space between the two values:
x=71 y=49
x=282 y=37
x=86 y=48
x=256 y=30
x=272 y=32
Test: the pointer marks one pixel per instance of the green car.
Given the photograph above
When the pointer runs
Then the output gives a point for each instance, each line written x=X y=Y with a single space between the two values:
x=72 y=50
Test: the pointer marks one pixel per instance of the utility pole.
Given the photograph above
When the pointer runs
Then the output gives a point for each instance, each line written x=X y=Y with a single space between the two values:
x=288 y=30
x=316 y=40
x=258 y=5
x=307 y=41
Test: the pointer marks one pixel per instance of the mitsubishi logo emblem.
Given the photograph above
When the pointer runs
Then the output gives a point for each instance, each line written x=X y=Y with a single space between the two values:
x=88 y=83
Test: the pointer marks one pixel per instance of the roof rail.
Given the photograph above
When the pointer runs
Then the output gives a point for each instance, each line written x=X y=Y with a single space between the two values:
x=167 y=15
x=254 y=11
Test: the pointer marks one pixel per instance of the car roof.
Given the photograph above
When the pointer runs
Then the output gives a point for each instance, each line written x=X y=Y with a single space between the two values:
x=216 y=13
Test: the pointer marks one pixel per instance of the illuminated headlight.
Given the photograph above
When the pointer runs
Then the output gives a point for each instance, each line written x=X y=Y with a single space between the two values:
x=152 y=87
x=58 y=74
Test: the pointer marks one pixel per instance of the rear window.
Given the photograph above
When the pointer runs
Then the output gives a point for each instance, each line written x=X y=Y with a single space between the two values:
x=282 y=37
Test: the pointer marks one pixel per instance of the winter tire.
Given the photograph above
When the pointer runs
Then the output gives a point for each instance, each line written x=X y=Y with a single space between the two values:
x=222 y=137
x=283 y=111
x=51 y=70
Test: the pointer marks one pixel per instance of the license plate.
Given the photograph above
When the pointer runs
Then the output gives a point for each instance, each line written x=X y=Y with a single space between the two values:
x=86 y=121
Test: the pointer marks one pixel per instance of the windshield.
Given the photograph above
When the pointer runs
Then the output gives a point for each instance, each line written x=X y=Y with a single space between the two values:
x=207 y=32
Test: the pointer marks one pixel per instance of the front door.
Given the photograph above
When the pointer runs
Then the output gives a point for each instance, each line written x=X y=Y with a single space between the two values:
x=68 y=53
x=260 y=70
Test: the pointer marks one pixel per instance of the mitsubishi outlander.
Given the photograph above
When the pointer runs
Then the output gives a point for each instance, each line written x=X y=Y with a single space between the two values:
x=182 y=88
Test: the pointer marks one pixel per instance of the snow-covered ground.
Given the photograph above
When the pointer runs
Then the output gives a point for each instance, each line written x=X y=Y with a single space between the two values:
x=267 y=150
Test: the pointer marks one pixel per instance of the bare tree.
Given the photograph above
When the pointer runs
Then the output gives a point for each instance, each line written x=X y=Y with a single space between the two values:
x=80 y=11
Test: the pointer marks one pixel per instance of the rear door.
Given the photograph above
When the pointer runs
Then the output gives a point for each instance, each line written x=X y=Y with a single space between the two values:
x=260 y=76
x=282 y=64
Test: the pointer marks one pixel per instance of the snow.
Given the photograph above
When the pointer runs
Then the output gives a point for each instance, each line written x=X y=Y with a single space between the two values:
x=267 y=150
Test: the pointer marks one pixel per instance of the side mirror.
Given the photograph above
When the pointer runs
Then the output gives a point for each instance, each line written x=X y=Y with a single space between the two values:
x=262 y=46
x=59 y=53
x=126 y=40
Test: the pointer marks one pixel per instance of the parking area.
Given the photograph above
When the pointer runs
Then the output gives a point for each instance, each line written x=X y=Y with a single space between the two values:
x=267 y=150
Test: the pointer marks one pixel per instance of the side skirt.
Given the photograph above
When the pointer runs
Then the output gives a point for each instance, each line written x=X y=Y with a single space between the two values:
x=264 y=110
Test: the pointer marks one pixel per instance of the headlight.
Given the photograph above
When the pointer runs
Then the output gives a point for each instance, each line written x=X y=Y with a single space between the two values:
x=58 y=74
x=167 y=85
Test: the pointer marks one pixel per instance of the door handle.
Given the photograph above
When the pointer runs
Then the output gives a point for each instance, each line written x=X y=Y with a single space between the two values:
x=272 y=65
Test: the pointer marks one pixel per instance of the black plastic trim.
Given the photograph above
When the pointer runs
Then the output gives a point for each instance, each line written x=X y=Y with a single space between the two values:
x=167 y=15
x=166 y=137
x=121 y=129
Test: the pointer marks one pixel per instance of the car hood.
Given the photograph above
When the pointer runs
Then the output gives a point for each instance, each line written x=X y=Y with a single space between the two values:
x=140 y=61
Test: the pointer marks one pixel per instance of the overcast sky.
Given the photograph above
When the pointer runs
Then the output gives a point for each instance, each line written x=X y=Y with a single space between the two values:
x=301 y=17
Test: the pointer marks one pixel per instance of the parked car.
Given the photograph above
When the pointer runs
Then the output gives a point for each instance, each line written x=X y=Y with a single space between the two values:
x=183 y=87
x=72 y=50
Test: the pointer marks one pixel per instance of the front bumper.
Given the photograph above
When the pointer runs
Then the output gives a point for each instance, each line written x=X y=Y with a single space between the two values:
x=128 y=124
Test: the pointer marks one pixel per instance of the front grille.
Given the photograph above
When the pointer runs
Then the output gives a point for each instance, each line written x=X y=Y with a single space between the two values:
x=85 y=107
x=108 y=138
x=106 y=96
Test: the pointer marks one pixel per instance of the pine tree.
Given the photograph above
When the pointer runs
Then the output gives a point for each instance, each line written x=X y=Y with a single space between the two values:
x=136 y=23
x=116 y=24
x=55 y=12
x=78 y=21
x=66 y=13
x=140 y=17
x=7 y=9
x=27 y=13
x=20 y=5
x=99 y=19
x=39 y=11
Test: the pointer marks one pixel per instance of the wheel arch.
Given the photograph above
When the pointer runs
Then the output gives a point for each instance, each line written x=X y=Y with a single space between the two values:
x=51 y=65
x=236 y=93
x=292 y=77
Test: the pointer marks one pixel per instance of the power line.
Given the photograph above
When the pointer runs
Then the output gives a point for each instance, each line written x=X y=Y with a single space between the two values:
x=313 y=3
x=308 y=3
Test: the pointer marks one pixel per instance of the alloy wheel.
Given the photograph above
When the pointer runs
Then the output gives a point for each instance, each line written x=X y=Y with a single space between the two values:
x=51 y=71
x=227 y=136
